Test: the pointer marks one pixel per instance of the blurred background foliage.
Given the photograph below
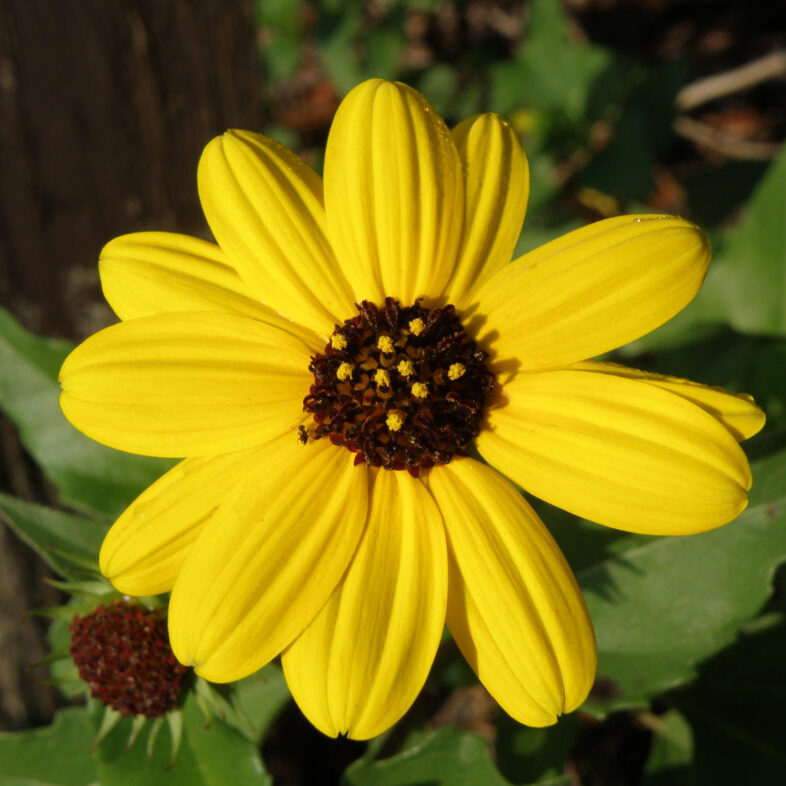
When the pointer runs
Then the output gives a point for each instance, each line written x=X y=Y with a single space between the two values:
x=622 y=106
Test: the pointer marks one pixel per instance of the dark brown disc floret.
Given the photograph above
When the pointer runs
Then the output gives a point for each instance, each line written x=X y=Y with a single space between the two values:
x=403 y=387
x=122 y=652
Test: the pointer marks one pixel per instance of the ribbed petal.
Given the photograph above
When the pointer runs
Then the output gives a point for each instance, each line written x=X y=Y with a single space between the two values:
x=148 y=273
x=737 y=411
x=269 y=559
x=514 y=608
x=186 y=384
x=144 y=550
x=591 y=290
x=394 y=193
x=496 y=176
x=264 y=206
x=621 y=452
x=360 y=664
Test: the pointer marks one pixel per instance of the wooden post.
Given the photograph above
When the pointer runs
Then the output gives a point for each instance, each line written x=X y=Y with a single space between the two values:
x=105 y=106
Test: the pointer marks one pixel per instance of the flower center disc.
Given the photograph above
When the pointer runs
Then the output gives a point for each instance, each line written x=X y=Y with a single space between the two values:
x=402 y=387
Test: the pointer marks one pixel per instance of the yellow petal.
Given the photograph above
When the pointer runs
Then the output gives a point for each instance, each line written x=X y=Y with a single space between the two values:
x=144 y=550
x=496 y=176
x=264 y=206
x=149 y=273
x=591 y=290
x=618 y=451
x=737 y=411
x=360 y=664
x=186 y=384
x=514 y=608
x=269 y=559
x=394 y=193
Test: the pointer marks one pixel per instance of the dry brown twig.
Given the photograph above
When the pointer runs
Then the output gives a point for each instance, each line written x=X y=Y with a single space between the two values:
x=722 y=142
x=733 y=81
x=709 y=88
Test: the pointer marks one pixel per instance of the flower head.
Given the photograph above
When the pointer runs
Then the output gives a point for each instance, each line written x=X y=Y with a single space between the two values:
x=122 y=652
x=327 y=507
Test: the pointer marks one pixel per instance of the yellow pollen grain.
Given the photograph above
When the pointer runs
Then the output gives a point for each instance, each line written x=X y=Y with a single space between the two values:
x=385 y=344
x=417 y=326
x=344 y=371
x=337 y=341
x=382 y=378
x=406 y=368
x=456 y=370
x=419 y=390
x=394 y=421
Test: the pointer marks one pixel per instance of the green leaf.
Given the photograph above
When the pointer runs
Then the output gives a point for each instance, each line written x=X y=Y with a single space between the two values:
x=559 y=780
x=549 y=73
x=439 y=84
x=527 y=755
x=671 y=753
x=716 y=191
x=249 y=705
x=624 y=168
x=736 y=710
x=662 y=605
x=49 y=532
x=282 y=55
x=57 y=755
x=280 y=36
x=281 y=14
x=259 y=698
x=383 y=51
x=87 y=475
x=214 y=755
x=447 y=757
x=769 y=482
x=751 y=271
x=60 y=755
x=544 y=185
x=336 y=35
x=731 y=720
x=64 y=672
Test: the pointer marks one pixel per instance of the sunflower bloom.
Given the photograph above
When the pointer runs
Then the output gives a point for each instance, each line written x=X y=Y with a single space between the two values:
x=325 y=369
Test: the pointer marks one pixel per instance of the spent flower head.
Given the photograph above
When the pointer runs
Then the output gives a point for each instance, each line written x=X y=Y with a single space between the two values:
x=122 y=652
x=327 y=370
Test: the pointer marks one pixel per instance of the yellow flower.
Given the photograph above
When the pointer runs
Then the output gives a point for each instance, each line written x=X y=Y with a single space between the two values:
x=272 y=535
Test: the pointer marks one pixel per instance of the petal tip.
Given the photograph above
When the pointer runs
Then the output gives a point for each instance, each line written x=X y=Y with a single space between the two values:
x=239 y=137
x=214 y=145
x=758 y=418
x=369 y=86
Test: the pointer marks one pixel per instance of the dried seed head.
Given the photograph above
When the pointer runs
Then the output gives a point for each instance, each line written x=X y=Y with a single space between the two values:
x=122 y=652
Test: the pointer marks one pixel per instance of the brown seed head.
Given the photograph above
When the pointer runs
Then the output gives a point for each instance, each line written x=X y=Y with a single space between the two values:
x=122 y=652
